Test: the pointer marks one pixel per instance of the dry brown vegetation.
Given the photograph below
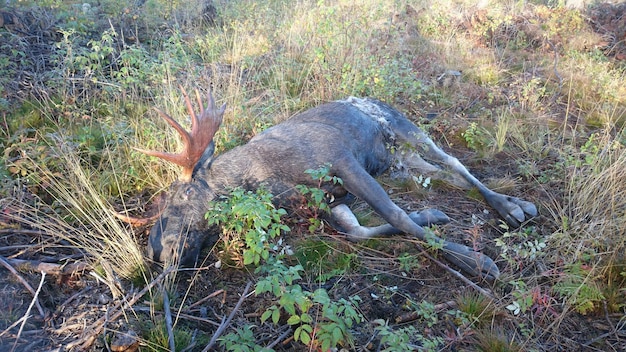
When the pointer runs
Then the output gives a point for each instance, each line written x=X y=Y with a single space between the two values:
x=530 y=95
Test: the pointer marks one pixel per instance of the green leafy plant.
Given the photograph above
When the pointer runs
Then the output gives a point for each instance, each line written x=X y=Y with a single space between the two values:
x=519 y=245
x=327 y=328
x=252 y=214
x=318 y=197
x=408 y=262
x=241 y=340
x=404 y=339
x=580 y=288
x=522 y=298
x=474 y=136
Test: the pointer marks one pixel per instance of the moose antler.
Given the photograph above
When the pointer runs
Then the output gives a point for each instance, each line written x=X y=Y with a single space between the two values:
x=203 y=128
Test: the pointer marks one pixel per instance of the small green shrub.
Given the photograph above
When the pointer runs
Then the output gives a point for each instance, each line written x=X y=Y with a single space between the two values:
x=241 y=340
x=404 y=339
x=251 y=214
x=317 y=197
x=519 y=245
x=580 y=288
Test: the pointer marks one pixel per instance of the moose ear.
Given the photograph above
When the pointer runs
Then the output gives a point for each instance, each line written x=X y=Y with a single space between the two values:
x=206 y=158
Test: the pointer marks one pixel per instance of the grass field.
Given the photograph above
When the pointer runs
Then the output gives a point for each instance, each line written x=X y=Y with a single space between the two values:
x=531 y=96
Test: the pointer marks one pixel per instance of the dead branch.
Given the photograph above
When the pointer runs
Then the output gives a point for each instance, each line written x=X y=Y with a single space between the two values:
x=48 y=268
x=30 y=306
x=7 y=265
x=168 y=320
x=128 y=301
x=280 y=337
x=220 y=291
x=24 y=231
x=16 y=323
x=220 y=330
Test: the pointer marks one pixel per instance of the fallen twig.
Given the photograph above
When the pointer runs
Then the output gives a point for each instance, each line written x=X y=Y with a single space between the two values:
x=415 y=315
x=23 y=231
x=16 y=323
x=30 y=306
x=220 y=291
x=279 y=338
x=97 y=327
x=456 y=273
x=6 y=264
x=168 y=320
x=48 y=268
x=220 y=330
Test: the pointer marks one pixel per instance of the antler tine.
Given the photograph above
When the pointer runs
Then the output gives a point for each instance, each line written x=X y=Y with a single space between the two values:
x=203 y=128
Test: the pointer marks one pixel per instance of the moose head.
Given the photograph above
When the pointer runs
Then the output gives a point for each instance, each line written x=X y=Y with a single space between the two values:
x=179 y=231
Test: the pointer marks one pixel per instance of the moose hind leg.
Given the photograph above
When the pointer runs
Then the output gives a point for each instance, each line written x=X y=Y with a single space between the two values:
x=514 y=210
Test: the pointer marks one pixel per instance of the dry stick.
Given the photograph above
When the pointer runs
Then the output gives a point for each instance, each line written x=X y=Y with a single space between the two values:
x=16 y=323
x=86 y=341
x=48 y=268
x=415 y=315
x=4 y=263
x=30 y=306
x=220 y=291
x=279 y=338
x=182 y=316
x=224 y=325
x=456 y=273
x=22 y=231
x=168 y=320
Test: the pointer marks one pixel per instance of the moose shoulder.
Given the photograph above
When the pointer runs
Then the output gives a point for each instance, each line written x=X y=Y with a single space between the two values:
x=358 y=138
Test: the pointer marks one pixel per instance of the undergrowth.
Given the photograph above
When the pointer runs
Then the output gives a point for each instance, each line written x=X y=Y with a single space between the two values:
x=532 y=95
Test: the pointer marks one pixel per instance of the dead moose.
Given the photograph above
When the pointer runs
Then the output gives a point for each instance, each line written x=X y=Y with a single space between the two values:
x=359 y=138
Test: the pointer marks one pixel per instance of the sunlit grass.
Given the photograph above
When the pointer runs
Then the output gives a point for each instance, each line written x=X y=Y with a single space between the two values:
x=536 y=84
x=81 y=216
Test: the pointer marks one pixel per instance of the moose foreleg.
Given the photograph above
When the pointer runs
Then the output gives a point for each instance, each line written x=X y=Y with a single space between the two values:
x=346 y=222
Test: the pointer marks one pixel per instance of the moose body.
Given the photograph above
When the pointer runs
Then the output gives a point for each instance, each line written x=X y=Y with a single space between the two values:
x=358 y=139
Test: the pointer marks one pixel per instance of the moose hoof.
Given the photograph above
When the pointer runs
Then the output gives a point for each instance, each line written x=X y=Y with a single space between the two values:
x=471 y=262
x=513 y=210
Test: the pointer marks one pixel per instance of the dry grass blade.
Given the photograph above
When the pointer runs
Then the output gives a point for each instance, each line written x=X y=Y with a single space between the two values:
x=595 y=209
x=83 y=218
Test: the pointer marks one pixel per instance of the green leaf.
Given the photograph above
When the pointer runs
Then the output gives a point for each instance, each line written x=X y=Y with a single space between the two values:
x=337 y=334
x=276 y=316
x=325 y=345
x=306 y=318
x=266 y=315
x=293 y=320
x=302 y=334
